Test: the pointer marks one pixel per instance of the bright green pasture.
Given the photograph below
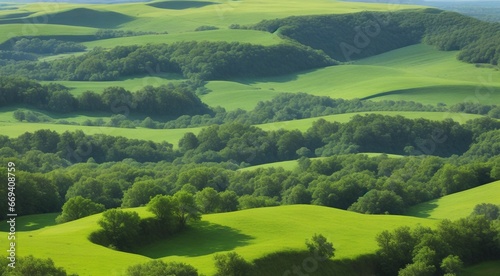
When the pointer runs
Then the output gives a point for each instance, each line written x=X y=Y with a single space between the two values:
x=417 y=73
x=233 y=95
x=457 y=205
x=229 y=35
x=8 y=31
x=225 y=13
x=252 y=233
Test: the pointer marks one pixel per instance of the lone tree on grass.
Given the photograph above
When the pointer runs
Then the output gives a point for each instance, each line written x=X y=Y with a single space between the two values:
x=320 y=246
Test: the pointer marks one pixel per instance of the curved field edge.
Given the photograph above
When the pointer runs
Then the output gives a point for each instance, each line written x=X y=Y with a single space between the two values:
x=254 y=234
x=293 y=164
x=457 y=205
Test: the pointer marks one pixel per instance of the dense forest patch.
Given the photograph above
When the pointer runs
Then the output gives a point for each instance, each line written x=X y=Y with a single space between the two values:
x=355 y=36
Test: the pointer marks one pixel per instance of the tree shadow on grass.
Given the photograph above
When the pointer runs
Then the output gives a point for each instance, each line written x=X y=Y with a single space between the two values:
x=202 y=238
x=423 y=210
x=31 y=222
x=180 y=5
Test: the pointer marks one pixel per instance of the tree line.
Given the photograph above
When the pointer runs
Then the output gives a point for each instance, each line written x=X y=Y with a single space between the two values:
x=166 y=100
x=131 y=172
x=195 y=60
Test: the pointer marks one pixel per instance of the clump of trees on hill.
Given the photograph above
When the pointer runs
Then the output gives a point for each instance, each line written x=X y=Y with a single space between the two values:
x=445 y=250
x=165 y=100
x=354 y=36
x=195 y=60
x=125 y=230
x=49 y=46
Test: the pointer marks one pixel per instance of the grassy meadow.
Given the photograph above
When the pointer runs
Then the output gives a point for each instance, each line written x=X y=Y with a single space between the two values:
x=417 y=73
x=252 y=233
x=458 y=205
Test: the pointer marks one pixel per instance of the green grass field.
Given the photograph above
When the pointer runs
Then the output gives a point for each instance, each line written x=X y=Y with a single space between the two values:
x=252 y=233
x=229 y=35
x=147 y=17
x=8 y=31
x=457 y=205
x=418 y=73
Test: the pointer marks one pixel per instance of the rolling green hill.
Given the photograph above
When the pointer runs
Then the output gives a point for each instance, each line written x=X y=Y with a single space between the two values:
x=457 y=205
x=243 y=36
x=418 y=73
x=252 y=233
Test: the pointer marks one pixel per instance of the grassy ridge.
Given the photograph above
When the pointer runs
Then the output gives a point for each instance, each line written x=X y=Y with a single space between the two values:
x=252 y=233
x=8 y=31
x=420 y=73
x=415 y=73
x=243 y=36
x=457 y=205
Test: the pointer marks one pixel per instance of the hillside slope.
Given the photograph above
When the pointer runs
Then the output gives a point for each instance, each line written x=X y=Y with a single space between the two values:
x=252 y=233
x=457 y=205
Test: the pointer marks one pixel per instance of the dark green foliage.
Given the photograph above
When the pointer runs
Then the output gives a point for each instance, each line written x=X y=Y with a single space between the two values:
x=320 y=247
x=208 y=200
x=205 y=28
x=120 y=228
x=379 y=202
x=231 y=264
x=353 y=36
x=417 y=269
x=488 y=210
x=166 y=100
x=185 y=208
x=486 y=146
x=78 y=207
x=110 y=33
x=158 y=267
x=348 y=36
x=141 y=193
x=50 y=46
x=32 y=266
x=444 y=250
x=16 y=56
x=452 y=264
x=195 y=60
